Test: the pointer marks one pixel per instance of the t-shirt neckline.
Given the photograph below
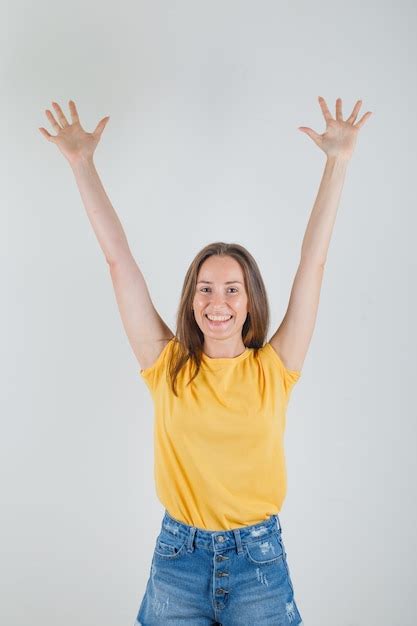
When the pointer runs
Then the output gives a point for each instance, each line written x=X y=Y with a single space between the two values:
x=217 y=362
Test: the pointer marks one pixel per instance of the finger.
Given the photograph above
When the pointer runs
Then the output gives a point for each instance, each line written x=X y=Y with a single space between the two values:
x=101 y=126
x=47 y=135
x=53 y=121
x=311 y=133
x=362 y=120
x=339 y=115
x=60 y=114
x=325 y=110
x=73 y=111
x=352 y=117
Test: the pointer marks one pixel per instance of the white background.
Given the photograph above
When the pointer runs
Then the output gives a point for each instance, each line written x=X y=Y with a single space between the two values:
x=202 y=145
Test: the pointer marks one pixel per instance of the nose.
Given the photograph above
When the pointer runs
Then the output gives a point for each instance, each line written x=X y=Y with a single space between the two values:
x=217 y=299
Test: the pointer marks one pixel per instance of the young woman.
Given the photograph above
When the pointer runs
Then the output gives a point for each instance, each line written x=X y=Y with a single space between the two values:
x=220 y=395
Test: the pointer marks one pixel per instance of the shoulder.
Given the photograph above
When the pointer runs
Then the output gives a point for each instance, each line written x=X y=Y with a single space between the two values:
x=155 y=371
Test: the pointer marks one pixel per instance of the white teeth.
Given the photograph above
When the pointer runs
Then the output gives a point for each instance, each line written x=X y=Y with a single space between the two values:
x=219 y=318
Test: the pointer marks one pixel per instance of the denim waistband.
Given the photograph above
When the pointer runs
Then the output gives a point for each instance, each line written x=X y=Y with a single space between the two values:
x=218 y=540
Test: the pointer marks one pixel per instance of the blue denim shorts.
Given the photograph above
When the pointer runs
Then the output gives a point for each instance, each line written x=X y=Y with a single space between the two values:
x=237 y=577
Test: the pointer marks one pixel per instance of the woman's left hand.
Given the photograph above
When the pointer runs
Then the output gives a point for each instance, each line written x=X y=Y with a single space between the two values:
x=340 y=136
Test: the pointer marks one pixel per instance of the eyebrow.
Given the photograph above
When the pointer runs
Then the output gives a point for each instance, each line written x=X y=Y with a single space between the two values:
x=229 y=282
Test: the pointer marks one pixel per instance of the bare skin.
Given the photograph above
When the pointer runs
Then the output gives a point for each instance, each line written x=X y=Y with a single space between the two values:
x=215 y=297
x=72 y=140
x=147 y=332
x=340 y=136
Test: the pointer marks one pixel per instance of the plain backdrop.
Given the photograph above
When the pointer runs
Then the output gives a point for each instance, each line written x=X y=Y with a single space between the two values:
x=202 y=145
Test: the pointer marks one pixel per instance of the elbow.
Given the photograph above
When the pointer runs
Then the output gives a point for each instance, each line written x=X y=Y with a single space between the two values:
x=309 y=261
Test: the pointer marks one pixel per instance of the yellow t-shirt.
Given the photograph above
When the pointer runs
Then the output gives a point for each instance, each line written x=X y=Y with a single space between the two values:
x=219 y=458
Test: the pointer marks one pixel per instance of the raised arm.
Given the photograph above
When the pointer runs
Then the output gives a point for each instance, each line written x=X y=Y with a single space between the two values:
x=292 y=339
x=146 y=331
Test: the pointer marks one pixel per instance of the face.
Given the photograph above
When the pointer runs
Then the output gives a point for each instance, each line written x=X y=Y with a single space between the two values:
x=220 y=291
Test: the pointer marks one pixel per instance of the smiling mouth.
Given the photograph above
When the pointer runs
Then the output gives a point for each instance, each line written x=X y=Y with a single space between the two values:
x=217 y=322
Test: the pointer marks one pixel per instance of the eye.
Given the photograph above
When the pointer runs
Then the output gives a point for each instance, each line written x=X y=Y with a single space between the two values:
x=202 y=288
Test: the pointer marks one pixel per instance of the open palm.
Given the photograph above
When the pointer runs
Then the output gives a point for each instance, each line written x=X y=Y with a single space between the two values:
x=340 y=136
x=72 y=140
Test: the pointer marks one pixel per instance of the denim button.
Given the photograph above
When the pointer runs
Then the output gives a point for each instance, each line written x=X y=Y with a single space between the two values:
x=220 y=538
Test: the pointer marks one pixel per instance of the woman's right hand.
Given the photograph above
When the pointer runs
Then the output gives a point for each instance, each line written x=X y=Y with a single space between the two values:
x=72 y=140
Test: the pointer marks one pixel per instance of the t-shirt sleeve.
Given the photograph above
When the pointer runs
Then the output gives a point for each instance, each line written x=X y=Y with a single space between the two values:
x=154 y=373
x=289 y=377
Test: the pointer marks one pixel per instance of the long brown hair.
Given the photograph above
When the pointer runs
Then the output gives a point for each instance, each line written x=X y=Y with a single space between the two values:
x=189 y=339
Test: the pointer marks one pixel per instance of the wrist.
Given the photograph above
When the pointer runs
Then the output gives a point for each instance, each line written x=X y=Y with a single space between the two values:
x=81 y=162
x=338 y=158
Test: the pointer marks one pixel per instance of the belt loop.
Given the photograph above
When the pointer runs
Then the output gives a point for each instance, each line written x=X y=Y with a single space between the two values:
x=278 y=522
x=190 y=539
x=238 y=540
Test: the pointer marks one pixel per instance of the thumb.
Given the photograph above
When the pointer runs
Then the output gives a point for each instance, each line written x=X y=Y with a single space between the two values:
x=101 y=126
x=311 y=133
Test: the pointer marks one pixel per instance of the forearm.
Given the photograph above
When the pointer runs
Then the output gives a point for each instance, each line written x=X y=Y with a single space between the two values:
x=102 y=216
x=320 y=225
